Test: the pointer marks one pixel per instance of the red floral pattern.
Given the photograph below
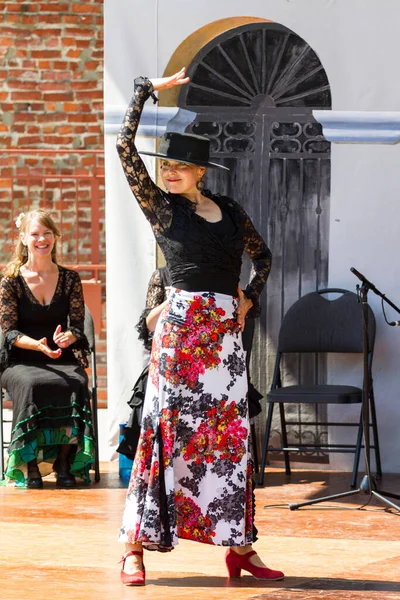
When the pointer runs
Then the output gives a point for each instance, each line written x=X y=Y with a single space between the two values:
x=154 y=364
x=191 y=523
x=222 y=432
x=197 y=343
x=168 y=422
x=192 y=472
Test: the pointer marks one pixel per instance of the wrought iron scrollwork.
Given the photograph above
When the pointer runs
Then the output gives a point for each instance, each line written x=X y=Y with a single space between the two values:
x=315 y=142
x=296 y=138
x=304 y=436
x=237 y=137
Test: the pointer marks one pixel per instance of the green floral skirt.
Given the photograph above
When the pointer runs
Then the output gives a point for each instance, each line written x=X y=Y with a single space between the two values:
x=44 y=448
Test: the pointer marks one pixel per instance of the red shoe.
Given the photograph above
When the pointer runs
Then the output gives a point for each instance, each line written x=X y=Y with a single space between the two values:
x=137 y=578
x=236 y=562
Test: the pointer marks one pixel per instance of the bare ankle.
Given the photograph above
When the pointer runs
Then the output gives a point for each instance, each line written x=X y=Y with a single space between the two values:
x=133 y=562
x=136 y=547
x=242 y=549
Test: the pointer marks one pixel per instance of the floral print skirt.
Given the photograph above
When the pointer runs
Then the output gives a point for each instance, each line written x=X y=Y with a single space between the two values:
x=192 y=473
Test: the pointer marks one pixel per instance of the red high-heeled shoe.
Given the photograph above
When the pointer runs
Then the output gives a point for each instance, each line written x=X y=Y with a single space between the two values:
x=137 y=578
x=236 y=562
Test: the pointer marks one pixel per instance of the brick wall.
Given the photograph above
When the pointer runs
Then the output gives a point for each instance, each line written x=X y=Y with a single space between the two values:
x=51 y=106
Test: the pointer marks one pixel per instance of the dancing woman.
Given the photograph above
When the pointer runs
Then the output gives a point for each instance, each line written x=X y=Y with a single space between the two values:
x=192 y=473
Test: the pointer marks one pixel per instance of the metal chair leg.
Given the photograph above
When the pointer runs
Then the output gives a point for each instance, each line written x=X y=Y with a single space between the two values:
x=357 y=453
x=284 y=438
x=375 y=433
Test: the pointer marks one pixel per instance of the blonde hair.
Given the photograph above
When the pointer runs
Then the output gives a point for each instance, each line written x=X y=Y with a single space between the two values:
x=21 y=256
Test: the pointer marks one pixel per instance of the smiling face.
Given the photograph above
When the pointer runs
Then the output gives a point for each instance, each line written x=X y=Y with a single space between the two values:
x=179 y=177
x=38 y=239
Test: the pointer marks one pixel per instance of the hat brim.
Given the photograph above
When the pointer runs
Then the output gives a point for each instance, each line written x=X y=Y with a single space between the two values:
x=189 y=162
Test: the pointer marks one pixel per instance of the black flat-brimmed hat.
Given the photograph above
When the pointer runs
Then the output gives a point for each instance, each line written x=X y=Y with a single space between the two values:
x=185 y=147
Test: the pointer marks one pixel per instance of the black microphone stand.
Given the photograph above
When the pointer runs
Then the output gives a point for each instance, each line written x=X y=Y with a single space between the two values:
x=368 y=483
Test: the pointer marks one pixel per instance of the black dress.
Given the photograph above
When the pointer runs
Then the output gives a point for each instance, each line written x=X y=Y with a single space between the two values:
x=50 y=398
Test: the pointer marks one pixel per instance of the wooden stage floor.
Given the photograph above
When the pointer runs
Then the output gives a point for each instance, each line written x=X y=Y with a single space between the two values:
x=62 y=544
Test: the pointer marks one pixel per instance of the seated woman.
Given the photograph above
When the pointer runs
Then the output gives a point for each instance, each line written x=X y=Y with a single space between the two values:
x=43 y=357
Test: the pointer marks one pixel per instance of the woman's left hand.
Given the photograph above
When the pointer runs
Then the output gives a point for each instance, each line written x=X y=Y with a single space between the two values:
x=243 y=308
x=63 y=339
x=163 y=83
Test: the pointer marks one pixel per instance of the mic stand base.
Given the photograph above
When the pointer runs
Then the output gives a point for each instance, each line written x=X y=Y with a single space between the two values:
x=366 y=487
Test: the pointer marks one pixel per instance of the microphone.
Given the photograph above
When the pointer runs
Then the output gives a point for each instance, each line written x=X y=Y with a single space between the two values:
x=364 y=280
x=368 y=285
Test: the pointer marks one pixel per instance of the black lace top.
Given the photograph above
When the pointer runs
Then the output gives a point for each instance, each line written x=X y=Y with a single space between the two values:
x=22 y=314
x=190 y=245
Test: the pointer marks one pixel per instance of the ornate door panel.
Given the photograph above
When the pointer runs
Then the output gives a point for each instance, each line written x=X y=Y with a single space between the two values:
x=253 y=89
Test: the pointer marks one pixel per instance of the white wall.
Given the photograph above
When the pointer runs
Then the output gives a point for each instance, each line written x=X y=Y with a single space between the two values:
x=365 y=233
x=357 y=42
x=130 y=246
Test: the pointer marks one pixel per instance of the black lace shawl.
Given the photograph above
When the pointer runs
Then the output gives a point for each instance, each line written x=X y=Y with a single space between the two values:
x=186 y=241
x=11 y=290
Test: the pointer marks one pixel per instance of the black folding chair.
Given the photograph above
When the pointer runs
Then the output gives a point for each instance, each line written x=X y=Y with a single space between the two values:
x=316 y=324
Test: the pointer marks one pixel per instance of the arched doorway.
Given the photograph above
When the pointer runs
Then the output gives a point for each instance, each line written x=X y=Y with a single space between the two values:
x=253 y=89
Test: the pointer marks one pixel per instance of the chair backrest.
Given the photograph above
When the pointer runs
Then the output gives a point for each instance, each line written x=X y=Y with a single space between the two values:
x=316 y=324
x=89 y=329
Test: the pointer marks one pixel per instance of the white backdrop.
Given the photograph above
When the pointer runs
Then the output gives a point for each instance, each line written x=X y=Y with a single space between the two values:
x=357 y=43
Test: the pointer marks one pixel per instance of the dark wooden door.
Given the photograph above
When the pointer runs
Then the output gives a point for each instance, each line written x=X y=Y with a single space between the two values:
x=253 y=89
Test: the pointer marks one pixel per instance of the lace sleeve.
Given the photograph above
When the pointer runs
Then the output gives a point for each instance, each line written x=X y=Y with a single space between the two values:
x=155 y=291
x=155 y=296
x=261 y=257
x=76 y=318
x=8 y=306
x=152 y=200
x=8 y=319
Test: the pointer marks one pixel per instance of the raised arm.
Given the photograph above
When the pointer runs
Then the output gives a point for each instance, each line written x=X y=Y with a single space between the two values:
x=152 y=200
